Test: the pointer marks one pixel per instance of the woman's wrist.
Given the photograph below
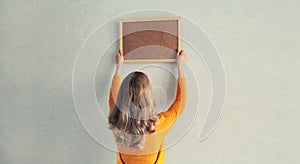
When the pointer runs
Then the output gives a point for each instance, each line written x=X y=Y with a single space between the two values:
x=180 y=72
x=118 y=70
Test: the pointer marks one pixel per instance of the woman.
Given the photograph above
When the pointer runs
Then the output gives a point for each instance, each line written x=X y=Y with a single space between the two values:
x=139 y=132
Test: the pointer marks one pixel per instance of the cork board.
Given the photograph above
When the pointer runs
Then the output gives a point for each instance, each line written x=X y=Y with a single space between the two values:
x=150 y=40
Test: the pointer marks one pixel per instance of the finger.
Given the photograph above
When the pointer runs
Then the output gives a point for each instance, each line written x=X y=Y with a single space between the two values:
x=121 y=53
x=181 y=52
x=183 y=55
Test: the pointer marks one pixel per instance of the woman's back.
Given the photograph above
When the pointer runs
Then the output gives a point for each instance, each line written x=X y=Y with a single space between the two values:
x=139 y=132
x=154 y=142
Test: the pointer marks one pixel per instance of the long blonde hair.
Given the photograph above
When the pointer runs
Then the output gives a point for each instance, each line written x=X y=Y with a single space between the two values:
x=133 y=114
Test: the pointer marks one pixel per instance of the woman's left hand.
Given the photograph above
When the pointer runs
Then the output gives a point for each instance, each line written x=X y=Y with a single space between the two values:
x=119 y=61
x=119 y=58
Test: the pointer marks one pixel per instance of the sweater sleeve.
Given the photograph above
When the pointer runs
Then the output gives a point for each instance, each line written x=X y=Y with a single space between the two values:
x=114 y=89
x=168 y=117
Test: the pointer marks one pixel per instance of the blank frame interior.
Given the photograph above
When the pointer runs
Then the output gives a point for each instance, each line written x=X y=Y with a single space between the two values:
x=150 y=40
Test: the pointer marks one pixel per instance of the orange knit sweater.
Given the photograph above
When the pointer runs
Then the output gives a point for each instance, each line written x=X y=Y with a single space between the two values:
x=153 y=151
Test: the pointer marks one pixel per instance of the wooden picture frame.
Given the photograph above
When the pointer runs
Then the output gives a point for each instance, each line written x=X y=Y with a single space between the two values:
x=150 y=39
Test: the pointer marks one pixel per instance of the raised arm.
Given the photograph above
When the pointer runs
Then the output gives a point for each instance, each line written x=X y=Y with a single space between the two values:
x=115 y=84
x=114 y=89
x=176 y=108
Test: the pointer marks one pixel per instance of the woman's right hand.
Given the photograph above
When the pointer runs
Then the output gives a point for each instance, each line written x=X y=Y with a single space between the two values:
x=181 y=58
x=119 y=58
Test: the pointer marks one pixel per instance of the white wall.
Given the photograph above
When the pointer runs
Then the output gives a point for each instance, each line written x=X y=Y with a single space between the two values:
x=258 y=42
